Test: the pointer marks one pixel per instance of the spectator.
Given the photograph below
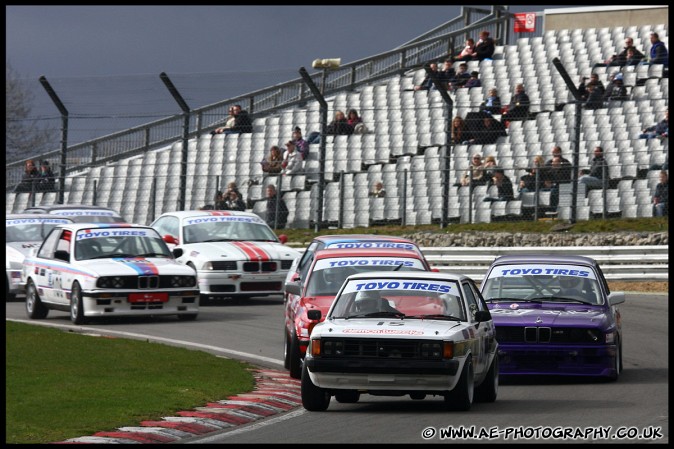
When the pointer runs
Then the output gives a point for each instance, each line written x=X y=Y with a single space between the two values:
x=233 y=201
x=659 y=130
x=339 y=125
x=593 y=178
x=489 y=165
x=616 y=90
x=518 y=109
x=242 y=122
x=661 y=196
x=301 y=144
x=467 y=52
x=292 y=159
x=503 y=184
x=634 y=57
x=658 y=53
x=447 y=75
x=218 y=201
x=473 y=81
x=594 y=98
x=489 y=132
x=459 y=132
x=378 y=190
x=232 y=187
x=30 y=177
x=229 y=122
x=529 y=181
x=47 y=179
x=273 y=202
x=564 y=164
x=622 y=58
x=427 y=83
x=355 y=122
x=594 y=80
x=474 y=176
x=492 y=104
x=462 y=77
x=485 y=47
x=272 y=163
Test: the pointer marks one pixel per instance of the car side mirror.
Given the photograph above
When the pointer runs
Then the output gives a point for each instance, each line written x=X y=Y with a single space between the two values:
x=177 y=252
x=168 y=238
x=616 y=298
x=62 y=255
x=293 y=288
x=482 y=315
x=283 y=238
x=314 y=315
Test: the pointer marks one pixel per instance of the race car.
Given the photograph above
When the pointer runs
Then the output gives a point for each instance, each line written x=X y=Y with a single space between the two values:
x=317 y=289
x=235 y=254
x=554 y=315
x=22 y=233
x=410 y=333
x=79 y=213
x=107 y=270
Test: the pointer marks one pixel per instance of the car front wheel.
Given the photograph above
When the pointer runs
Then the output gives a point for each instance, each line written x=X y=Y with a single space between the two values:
x=488 y=389
x=461 y=397
x=314 y=399
x=34 y=307
x=295 y=358
x=77 y=305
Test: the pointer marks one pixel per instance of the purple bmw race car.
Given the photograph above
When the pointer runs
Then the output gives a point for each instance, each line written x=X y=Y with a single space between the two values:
x=554 y=315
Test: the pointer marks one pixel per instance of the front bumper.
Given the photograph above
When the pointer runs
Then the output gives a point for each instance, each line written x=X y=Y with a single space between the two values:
x=14 y=283
x=116 y=303
x=219 y=283
x=567 y=360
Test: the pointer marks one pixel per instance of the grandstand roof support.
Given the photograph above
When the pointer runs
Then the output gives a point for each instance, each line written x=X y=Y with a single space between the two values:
x=64 y=138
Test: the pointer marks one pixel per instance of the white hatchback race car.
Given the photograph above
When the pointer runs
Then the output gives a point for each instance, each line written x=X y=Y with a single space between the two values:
x=235 y=254
x=395 y=333
x=24 y=232
x=106 y=270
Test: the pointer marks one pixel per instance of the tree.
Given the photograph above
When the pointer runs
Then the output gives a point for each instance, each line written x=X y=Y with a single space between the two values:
x=23 y=136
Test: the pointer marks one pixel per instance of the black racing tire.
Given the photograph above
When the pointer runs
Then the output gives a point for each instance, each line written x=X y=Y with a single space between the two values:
x=35 y=309
x=77 y=305
x=618 y=366
x=347 y=396
x=295 y=358
x=461 y=397
x=488 y=389
x=286 y=350
x=418 y=395
x=187 y=316
x=314 y=399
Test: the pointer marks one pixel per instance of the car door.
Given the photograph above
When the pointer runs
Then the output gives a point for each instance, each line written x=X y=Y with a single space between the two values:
x=479 y=330
x=55 y=255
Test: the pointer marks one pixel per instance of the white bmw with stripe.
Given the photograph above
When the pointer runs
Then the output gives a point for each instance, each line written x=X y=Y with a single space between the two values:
x=107 y=269
x=235 y=254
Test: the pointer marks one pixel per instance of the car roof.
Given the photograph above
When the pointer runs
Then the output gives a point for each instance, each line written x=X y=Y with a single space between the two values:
x=544 y=259
x=208 y=213
x=421 y=275
x=378 y=252
x=332 y=238
x=79 y=226
x=51 y=207
x=34 y=216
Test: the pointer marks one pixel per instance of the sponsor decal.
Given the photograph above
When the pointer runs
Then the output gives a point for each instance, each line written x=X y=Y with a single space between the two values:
x=542 y=270
x=367 y=261
x=221 y=219
x=383 y=331
x=26 y=221
x=101 y=233
x=414 y=286
x=85 y=212
x=194 y=253
x=369 y=245
x=142 y=266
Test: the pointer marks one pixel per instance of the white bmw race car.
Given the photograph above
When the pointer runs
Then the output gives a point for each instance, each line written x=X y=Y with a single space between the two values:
x=235 y=254
x=105 y=270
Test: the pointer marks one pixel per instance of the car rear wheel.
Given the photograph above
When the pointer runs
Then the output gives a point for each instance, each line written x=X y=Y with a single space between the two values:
x=286 y=350
x=347 y=396
x=295 y=359
x=461 y=397
x=34 y=307
x=77 y=305
x=314 y=399
x=488 y=389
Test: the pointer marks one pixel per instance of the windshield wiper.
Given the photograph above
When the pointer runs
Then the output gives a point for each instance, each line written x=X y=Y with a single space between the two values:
x=437 y=316
x=377 y=315
x=563 y=298
x=221 y=239
x=517 y=299
x=153 y=255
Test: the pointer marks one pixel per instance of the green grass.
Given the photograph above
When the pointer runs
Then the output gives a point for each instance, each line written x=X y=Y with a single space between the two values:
x=659 y=224
x=62 y=385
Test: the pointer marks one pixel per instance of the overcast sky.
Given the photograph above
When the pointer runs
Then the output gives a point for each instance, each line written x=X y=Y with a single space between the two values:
x=86 y=50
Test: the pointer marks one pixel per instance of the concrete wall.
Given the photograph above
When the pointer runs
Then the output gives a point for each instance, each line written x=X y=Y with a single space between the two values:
x=606 y=16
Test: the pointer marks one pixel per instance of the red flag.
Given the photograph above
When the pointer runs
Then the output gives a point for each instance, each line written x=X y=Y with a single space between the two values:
x=525 y=22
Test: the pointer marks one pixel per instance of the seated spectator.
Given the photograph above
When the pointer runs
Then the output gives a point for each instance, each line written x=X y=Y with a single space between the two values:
x=492 y=104
x=503 y=184
x=242 y=122
x=659 y=130
x=272 y=162
x=593 y=178
x=474 y=176
x=473 y=81
x=339 y=125
x=427 y=83
x=301 y=144
x=633 y=57
x=355 y=122
x=447 y=75
x=533 y=180
x=616 y=90
x=488 y=133
x=489 y=165
x=467 y=52
x=229 y=122
x=518 y=109
x=292 y=160
x=47 y=180
x=485 y=47
x=459 y=132
x=232 y=187
x=30 y=178
x=233 y=202
x=274 y=202
x=378 y=190
x=462 y=77
x=218 y=201
x=564 y=164
x=658 y=53
x=594 y=80
x=661 y=196
x=557 y=170
x=622 y=58
x=594 y=98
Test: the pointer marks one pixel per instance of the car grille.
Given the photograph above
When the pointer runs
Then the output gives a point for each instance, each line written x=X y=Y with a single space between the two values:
x=548 y=335
x=381 y=348
x=224 y=265
x=255 y=267
x=260 y=287
x=142 y=282
x=286 y=264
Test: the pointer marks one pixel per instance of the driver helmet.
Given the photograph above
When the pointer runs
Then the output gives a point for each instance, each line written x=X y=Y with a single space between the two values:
x=570 y=282
x=331 y=276
x=368 y=300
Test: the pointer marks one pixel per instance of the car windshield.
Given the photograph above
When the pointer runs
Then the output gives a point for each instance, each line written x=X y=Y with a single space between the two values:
x=542 y=283
x=414 y=299
x=30 y=229
x=328 y=275
x=226 y=228
x=106 y=243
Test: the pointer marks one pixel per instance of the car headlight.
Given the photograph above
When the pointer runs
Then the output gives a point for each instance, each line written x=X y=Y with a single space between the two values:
x=110 y=282
x=207 y=266
x=183 y=281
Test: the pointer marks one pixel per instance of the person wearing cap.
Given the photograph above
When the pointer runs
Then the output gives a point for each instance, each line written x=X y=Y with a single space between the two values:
x=484 y=48
x=301 y=144
x=503 y=185
x=292 y=160
x=473 y=81
x=616 y=90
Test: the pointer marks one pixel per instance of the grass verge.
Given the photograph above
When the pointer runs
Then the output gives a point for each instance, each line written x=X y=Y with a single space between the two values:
x=62 y=385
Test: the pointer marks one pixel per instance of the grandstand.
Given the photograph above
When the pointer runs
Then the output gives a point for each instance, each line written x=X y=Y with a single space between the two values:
x=407 y=142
